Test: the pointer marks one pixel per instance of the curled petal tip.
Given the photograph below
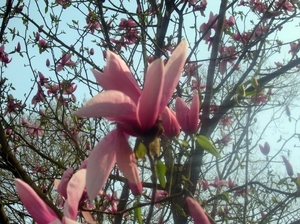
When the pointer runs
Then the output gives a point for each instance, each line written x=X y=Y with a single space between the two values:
x=136 y=189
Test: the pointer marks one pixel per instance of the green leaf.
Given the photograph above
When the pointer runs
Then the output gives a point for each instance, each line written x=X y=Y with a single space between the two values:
x=283 y=181
x=206 y=145
x=161 y=172
x=138 y=213
x=140 y=151
x=254 y=82
x=241 y=90
x=225 y=197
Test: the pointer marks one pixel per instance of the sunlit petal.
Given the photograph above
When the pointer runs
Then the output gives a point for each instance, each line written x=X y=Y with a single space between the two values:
x=117 y=76
x=37 y=208
x=170 y=123
x=75 y=189
x=194 y=113
x=62 y=186
x=100 y=163
x=173 y=71
x=197 y=211
x=182 y=111
x=110 y=104
x=127 y=164
x=149 y=102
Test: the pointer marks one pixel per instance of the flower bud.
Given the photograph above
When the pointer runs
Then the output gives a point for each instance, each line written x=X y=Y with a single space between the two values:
x=288 y=166
x=18 y=48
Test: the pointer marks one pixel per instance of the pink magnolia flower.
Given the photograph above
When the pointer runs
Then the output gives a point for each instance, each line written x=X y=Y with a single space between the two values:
x=288 y=166
x=231 y=184
x=65 y=61
x=226 y=121
x=265 y=149
x=135 y=112
x=43 y=44
x=13 y=106
x=294 y=48
x=4 y=55
x=92 y=22
x=197 y=211
x=64 y=3
x=205 y=28
x=33 y=130
x=218 y=183
x=38 y=97
x=229 y=22
x=41 y=212
x=227 y=54
x=285 y=5
x=188 y=117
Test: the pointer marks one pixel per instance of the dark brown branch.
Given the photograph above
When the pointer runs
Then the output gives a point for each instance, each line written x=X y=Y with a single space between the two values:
x=18 y=171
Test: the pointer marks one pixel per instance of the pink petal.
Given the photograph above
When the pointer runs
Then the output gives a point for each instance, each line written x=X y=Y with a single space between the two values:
x=182 y=111
x=194 y=113
x=56 y=221
x=288 y=166
x=173 y=71
x=223 y=66
x=127 y=164
x=149 y=102
x=59 y=68
x=110 y=104
x=170 y=123
x=100 y=162
x=117 y=76
x=74 y=190
x=68 y=221
x=197 y=211
x=62 y=186
x=65 y=58
x=38 y=209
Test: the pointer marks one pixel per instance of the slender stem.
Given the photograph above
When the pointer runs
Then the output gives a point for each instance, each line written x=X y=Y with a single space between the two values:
x=154 y=181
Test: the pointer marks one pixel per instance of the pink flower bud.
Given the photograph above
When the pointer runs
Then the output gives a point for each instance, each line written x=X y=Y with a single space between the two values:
x=42 y=112
x=37 y=36
x=265 y=149
x=43 y=44
x=92 y=52
x=18 y=48
x=287 y=110
x=41 y=28
x=47 y=62
x=288 y=166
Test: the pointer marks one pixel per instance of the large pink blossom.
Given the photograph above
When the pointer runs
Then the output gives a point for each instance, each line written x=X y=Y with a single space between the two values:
x=134 y=110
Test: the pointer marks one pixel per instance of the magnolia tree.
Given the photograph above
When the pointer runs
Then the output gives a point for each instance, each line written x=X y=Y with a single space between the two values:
x=149 y=111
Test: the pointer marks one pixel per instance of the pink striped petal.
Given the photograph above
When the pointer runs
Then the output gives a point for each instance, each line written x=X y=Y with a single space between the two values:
x=170 y=123
x=100 y=163
x=194 y=113
x=62 y=186
x=37 y=208
x=197 y=211
x=173 y=71
x=127 y=164
x=149 y=102
x=75 y=189
x=111 y=104
x=182 y=111
x=117 y=76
